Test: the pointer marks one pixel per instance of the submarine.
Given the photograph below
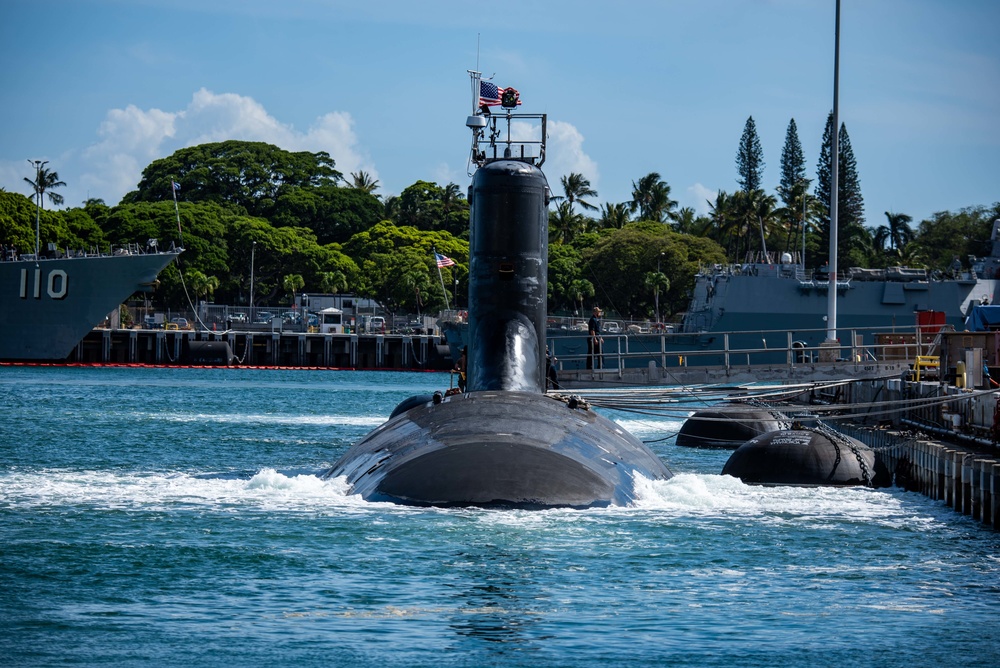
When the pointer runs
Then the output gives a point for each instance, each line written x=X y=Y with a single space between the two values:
x=503 y=442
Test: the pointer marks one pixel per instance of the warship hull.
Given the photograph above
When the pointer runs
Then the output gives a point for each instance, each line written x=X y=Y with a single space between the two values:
x=47 y=306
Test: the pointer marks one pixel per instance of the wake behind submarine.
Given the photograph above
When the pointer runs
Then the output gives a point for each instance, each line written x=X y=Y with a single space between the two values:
x=503 y=442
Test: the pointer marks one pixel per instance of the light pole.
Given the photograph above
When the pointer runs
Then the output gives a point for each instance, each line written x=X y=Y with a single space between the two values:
x=253 y=250
x=805 y=194
x=656 y=290
x=38 y=202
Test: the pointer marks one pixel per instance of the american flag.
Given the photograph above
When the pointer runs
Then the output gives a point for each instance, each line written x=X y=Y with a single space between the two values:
x=489 y=94
x=443 y=260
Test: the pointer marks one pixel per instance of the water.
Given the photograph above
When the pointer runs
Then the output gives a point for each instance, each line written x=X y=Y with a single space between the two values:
x=174 y=516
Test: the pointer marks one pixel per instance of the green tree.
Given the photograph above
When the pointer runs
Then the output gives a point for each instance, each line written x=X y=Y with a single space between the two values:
x=793 y=188
x=363 y=181
x=657 y=283
x=688 y=222
x=333 y=282
x=564 y=224
x=201 y=286
x=45 y=182
x=397 y=267
x=292 y=283
x=947 y=236
x=427 y=206
x=614 y=215
x=618 y=257
x=333 y=213
x=750 y=158
x=896 y=234
x=564 y=268
x=390 y=209
x=575 y=188
x=851 y=232
x=579 y=290
x=251 y=175
x=651 y=198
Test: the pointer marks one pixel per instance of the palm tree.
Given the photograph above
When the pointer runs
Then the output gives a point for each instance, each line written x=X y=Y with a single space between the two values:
x=658 y=282
x=450 y=194
x=391 y=208
x=332 y=282
x=362 y=180
x=900 y=232
x=292 y=283
x=723 y=221
x=687 y=220
x=44 y=181
x=614 y=215
x=579 y=290
x=201 y=285
x=651 y=198
x=564 y=225
x=576 y=188
x=755 y=212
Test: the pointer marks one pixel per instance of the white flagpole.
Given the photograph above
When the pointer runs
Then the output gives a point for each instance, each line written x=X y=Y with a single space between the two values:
x=177 y=210
x=447 y=307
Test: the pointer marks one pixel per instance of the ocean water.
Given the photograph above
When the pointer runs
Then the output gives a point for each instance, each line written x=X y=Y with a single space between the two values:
x=175 y=517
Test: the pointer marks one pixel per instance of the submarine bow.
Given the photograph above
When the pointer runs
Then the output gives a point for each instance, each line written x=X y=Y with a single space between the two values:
x=499 y=448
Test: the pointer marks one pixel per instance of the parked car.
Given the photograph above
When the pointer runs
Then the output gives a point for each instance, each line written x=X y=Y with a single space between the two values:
x=181 y=323
x=612 y=327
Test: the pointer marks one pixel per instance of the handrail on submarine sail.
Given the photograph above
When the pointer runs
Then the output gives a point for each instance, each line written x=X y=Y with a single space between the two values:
x=489 y=133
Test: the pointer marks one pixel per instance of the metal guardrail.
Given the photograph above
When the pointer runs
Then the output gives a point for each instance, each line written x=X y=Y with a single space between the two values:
x=793 y=353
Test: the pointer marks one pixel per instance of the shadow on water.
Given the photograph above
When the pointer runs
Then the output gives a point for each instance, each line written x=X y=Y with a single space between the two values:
x=496 y=601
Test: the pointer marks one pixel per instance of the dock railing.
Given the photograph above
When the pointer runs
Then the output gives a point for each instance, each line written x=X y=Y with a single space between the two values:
x=777 y=347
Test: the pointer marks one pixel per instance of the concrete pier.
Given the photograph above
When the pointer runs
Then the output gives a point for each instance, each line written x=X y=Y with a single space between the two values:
x=963 y=477
x=272 y=349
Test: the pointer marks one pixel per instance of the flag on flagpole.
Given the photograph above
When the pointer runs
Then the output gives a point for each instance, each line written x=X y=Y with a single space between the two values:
x=443 y=260
x=489 y=94
x=176 y=186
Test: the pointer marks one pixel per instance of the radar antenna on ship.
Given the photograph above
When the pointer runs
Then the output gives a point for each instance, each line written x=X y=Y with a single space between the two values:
x=497 y=136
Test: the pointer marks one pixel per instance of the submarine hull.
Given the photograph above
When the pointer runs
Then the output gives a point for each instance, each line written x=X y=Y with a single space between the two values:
x=501 y=448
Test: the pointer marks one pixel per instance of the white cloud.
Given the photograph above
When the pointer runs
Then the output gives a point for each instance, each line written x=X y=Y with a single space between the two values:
x=564 y=155
x=131 y=138
x=699 y=196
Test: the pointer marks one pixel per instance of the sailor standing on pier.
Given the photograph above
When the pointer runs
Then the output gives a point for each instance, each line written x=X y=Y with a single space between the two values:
x=595 y=360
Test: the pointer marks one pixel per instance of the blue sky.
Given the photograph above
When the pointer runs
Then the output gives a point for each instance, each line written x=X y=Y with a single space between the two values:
x=100 y=88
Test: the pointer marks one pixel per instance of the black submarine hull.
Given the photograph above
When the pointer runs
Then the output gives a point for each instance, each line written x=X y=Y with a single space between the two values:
x=501 y=448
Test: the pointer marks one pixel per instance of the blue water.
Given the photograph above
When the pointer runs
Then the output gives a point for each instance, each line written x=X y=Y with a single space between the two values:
x=174 y=517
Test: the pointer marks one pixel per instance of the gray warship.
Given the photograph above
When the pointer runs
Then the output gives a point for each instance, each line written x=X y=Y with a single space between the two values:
x=49 y=303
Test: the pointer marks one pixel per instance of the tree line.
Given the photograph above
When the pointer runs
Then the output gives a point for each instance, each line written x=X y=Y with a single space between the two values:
x=304 y=226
